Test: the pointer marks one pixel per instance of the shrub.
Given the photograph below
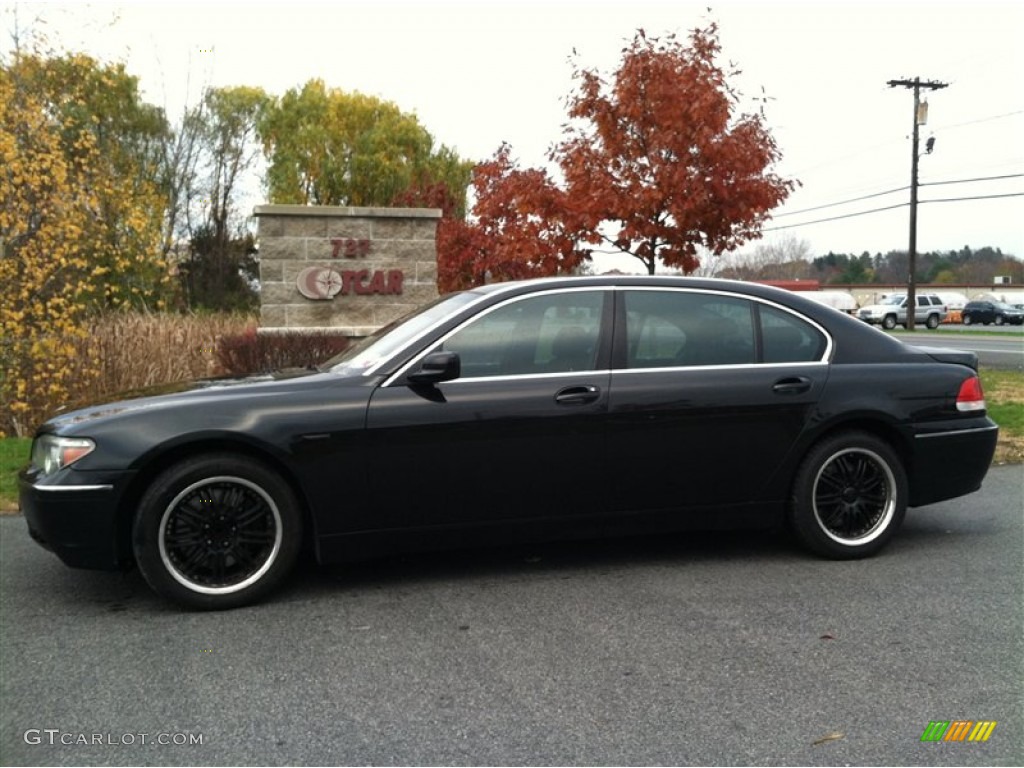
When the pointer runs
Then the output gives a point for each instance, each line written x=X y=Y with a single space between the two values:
x=252 y=352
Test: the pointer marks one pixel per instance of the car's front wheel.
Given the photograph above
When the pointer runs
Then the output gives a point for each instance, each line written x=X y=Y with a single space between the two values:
x=999 y=319
x=217 y=531
x=967 y=319
x=889 y=322
x=850 y=496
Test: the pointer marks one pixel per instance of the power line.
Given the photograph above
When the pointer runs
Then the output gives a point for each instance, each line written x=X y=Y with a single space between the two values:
x=871 y=147
x=842 y=202
x=891 y=207
x=842 y=158
x=970 y=181
x=898 y=189
x=978 y=197
x=979 y=120
x=836 y=218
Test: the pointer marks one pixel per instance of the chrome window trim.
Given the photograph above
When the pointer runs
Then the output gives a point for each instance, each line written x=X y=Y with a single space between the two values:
x=618 y=371
x=71 y=488
x=509 y=300
x=825 y=358
x=728 y=366
x=605 y=372
x=955 y=432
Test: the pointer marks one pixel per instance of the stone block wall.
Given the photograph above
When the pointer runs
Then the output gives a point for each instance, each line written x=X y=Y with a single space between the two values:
x=349 y=270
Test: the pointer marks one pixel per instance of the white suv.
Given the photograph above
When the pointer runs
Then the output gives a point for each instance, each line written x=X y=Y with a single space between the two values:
x=893 y=310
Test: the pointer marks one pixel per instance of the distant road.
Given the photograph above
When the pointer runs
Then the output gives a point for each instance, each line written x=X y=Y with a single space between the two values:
x=1005 y=351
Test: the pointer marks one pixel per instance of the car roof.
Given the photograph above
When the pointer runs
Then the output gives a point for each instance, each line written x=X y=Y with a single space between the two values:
x=666 y=281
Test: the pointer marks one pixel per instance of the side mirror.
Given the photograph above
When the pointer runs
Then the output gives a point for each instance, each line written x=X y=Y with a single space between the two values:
x=435 y=368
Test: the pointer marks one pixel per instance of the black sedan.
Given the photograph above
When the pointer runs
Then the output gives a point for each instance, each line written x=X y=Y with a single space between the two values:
x=542 y=409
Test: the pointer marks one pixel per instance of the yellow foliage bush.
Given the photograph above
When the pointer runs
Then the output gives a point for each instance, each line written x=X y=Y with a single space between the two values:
x=73 y=216
x=115 y=353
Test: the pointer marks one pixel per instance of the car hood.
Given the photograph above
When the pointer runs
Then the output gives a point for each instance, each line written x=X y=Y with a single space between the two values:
x=174 y=393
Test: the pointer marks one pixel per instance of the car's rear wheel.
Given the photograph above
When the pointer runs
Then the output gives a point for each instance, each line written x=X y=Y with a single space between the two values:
x=850 y=496
x=217 y=531
x=889 y=322
x=999 y=319
x=932 y=322
x=968 y=319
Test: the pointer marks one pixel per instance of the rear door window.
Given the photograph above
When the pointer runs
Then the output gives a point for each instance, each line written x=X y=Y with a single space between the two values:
x=667 y=329
x=678 y=328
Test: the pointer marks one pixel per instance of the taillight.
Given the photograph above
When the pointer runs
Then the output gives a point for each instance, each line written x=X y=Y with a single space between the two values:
x=970 y=397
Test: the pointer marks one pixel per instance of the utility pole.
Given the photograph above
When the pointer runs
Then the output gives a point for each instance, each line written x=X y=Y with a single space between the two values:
x=917 y=85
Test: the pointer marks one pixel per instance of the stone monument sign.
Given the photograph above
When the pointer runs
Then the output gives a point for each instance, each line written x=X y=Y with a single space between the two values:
x=348 y=270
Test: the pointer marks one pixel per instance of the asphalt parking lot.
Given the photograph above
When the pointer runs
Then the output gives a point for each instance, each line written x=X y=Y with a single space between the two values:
x=696 y=649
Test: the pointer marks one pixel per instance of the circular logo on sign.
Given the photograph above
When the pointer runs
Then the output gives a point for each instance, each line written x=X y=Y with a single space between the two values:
x=318 y=283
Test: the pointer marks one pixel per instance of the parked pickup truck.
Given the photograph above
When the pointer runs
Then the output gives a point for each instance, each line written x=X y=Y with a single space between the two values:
x=893 y=310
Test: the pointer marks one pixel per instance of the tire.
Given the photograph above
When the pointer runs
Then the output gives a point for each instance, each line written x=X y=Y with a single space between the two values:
x=889 y=322
x=967 y=319
x=999 y=320
x=247 y=510
x=932 y=322
x=849 y=497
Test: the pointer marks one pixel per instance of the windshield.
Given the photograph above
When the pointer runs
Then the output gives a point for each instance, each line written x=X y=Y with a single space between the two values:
x=385 y=341
x=897 y=300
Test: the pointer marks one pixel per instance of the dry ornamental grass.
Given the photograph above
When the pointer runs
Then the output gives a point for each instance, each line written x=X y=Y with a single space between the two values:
x=131 y=351
x=122 y=352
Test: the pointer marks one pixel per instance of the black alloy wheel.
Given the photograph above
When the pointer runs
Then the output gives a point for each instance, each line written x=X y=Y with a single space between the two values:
x=217 y=531
x=220 y=533
x=850 y=496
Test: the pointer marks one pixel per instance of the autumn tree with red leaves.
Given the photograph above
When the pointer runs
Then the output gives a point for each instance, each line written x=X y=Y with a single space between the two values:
x=656 y=164
x=521 y=229
x=460 y=260
x=659 y=155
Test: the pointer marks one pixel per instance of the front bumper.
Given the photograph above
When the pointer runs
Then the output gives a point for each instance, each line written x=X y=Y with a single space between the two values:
x=75 y=514
x=875 y=319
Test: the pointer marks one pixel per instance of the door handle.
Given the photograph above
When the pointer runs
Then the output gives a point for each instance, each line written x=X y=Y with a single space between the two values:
x=796 y=385
x=577 y=395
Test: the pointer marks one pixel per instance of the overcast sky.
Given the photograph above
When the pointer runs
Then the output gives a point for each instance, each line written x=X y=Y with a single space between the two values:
x=479 y=73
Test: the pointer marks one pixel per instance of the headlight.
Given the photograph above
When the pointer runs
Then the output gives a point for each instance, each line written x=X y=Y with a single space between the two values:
x=52 y=452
